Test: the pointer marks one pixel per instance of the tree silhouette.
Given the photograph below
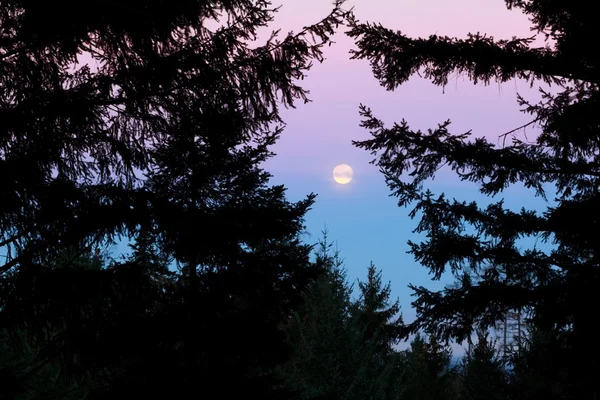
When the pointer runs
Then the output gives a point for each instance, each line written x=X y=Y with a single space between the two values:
x=343 y=348
x=323 y=343
x=541 y=368
x=426 y=370
x=479 y=244
x=380 y=325
x=380 y=320
x=158 y=135
x=77 y=137
x=482 y=371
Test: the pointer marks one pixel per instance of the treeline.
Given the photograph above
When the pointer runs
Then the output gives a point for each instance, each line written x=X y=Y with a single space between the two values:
x=85 y=327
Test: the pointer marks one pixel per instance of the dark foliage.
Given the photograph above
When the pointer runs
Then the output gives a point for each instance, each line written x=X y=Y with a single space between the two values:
x=427 y=374
x=543 y=367
x=483 y=374
x=323 y=343
x=379 y=321
x=483 y=246
x=154 y=86
x=139 y=119
x=343 y=349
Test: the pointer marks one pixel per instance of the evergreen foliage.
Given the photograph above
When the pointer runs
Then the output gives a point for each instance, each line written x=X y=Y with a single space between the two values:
x=323 y=342
x=343 y=349
x=380 y=321
x=94 y=98
x=427 y=371
x=483 y=374
x=140 y=120
x=380 y=325
x=483 y=246
x=542 y=368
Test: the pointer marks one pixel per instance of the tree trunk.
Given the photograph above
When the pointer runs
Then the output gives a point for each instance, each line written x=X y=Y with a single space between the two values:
x=192 y=351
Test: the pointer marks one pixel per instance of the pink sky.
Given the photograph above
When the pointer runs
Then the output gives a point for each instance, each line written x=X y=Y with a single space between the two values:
x=321 y=131
x=361 y=216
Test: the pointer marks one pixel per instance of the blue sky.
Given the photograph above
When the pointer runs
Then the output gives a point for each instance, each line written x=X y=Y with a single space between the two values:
x=361 y=217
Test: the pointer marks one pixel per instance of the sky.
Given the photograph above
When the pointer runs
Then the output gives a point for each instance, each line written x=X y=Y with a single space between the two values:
x=361 y=217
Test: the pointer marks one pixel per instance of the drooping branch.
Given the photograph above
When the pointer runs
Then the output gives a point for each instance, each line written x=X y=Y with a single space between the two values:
x=395 y=57
x=400 y=151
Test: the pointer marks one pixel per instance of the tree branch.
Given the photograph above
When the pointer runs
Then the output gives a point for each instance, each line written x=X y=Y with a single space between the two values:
x=395 y=57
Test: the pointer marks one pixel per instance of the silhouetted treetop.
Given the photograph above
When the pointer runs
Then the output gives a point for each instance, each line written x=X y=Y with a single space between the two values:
x=483 y=246
x=95 y=96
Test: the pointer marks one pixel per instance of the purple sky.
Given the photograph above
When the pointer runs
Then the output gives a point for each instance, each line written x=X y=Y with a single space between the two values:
x=361 y=217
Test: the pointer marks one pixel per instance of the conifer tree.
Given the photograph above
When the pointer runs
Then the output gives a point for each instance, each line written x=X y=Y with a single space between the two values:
x=479 y=245
x=343 y=348
x=482 y=371
x=95 y=98
x=541 y=368
x=80 y=325
x=165 y=124
x=379 y=320
x=24 y=376
x=324 y=343
x=427 y=373
x=380 y=324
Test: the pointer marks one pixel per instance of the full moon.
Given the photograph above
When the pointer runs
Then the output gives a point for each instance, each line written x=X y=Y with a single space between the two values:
x=342 y=174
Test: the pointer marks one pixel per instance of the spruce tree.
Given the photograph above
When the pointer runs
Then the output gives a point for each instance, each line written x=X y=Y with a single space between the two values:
x=164 y=125
x=26 y=376
x=482 y=246
x=344 y=348
x=541 y=368
x=81 y=326
x=426 y=370
x=379 y=320
x=482 y=371
x=323 y=341
x=380 y=324
x=95 y=98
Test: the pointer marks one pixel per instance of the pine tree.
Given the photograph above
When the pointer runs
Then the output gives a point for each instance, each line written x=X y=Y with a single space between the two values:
x=145 y=251
x=166 y=126
x=482 y=371
x=95 y=98
x=24 y=376
x=343 y=348
x=380 y=325
x=79 y=324
x=541 y=368
x=147 y=255
x=427 y=374
x=379 y=320
x=324 y=343
x=479 y=244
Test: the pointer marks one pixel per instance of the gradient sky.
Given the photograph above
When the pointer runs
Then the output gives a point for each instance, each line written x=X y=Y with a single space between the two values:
x=361 y=217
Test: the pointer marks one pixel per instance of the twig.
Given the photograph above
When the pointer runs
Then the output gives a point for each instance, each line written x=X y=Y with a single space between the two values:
x=504 y=135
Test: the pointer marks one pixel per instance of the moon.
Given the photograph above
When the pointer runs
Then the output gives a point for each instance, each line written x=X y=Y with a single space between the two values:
x=342 y=174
